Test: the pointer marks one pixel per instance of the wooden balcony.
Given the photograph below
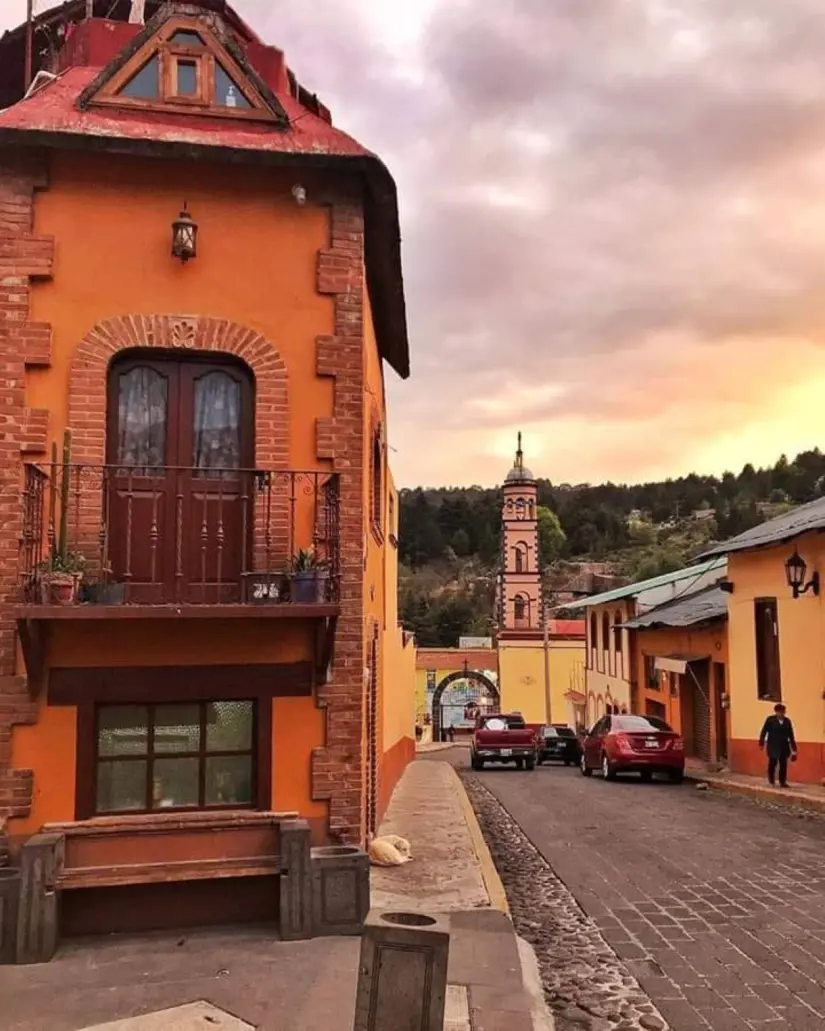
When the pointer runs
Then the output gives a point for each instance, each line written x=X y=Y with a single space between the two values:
x=106 y=542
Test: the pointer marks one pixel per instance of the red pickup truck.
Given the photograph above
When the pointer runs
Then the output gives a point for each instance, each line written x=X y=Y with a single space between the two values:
x=503 y=738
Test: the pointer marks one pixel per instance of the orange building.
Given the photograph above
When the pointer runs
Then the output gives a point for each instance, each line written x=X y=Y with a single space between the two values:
x=200 y=284
x=776 y=627
x=679 y=656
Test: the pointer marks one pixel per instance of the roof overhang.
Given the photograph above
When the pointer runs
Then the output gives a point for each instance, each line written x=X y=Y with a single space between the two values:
x=382 y=243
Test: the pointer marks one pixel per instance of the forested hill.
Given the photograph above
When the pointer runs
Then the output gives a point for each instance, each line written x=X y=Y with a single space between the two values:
x=449 y=537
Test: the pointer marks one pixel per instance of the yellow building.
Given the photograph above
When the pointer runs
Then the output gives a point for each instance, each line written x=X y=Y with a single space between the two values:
x=776 y=637
x=539 y=660
x=611 y=677
x=398 y=663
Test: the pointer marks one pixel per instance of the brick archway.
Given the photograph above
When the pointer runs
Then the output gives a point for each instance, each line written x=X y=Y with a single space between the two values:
x=90 y=364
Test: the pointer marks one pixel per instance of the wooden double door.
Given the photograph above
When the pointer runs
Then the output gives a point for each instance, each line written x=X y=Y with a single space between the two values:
x=180 y=487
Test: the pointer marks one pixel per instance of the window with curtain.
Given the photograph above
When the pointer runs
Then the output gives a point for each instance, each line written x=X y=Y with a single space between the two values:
x=142 y=417
x=176 y=756
x=768 y=678
x=217 y=423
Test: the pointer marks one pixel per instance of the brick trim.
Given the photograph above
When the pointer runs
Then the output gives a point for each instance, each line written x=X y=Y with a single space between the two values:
x=337 y=769
x=35 y=439
x=23 y=257
x=90 y=363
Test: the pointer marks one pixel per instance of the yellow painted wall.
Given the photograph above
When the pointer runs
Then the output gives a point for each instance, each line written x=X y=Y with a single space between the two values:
x=761 y=574
x=608 y=674
x=522 y=678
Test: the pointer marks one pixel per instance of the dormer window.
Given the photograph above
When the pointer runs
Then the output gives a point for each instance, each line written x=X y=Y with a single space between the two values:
x=185 y=68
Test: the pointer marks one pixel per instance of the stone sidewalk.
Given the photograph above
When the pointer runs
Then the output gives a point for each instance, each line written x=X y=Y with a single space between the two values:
x=802 y=796
x=258 y=982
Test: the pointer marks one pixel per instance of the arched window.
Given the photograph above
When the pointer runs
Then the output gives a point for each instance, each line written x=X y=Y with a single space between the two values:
x=521 y=611
x=593 y=640
x=606 y=642
x=618 y=635
x=520 y=556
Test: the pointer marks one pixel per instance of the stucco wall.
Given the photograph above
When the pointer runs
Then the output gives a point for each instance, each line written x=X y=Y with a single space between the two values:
x=761 y=574
x=522 y=678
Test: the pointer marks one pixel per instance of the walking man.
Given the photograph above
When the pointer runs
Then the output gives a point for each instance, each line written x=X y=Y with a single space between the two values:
x=777 y=734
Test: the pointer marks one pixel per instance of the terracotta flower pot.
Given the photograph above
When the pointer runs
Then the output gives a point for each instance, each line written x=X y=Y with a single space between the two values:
x=61 y=588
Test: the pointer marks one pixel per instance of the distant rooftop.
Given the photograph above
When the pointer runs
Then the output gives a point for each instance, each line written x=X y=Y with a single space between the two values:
x=803 y=519
x=632 y=590
x=699 y=607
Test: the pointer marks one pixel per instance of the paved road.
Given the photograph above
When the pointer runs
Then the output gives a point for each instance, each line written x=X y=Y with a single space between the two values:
x=716 y=904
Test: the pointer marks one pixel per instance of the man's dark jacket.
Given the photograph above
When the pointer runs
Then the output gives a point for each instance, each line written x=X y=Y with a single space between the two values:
x=779 y=737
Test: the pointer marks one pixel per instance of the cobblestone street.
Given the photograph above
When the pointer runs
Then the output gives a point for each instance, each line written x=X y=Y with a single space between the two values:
x=715 y=906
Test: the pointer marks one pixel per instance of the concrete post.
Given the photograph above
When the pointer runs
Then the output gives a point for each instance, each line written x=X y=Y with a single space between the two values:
x=38 y=919
x=340 y=890
x=9 y=897
x=402 y=976
x=295 y=881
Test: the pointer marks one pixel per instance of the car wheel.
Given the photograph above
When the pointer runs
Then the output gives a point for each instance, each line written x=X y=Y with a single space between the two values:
x=477 y=764
x=676 y=776
x=608 y=771
x=585 y=769
x=566 y=762
x=530 y=764
x=646 y=776
x=519 y=764
x=539 y=762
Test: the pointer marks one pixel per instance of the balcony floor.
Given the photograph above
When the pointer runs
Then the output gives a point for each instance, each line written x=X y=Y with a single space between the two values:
x=48 y=613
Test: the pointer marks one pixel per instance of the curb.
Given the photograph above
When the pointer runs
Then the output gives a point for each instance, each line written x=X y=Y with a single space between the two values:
x=788 y=799
x=489 y=874
x=531 y=979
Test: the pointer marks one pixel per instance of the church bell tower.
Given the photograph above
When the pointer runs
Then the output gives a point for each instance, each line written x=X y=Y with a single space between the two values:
x=520 y=607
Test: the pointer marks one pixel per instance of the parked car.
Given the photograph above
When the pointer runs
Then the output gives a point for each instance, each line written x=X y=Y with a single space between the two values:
x=560 y=742
x=633 y=744
x=503 y=738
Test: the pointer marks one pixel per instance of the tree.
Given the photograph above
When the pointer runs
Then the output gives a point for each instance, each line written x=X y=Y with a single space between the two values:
x=552 y=537
x=460 y=543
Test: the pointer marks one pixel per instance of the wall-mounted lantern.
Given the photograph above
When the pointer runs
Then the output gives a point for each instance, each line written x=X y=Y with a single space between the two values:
x=185 y=236
x=796 y=569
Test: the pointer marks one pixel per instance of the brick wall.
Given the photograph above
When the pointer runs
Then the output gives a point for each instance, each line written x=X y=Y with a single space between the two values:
x=338 y=768
x=24 y=257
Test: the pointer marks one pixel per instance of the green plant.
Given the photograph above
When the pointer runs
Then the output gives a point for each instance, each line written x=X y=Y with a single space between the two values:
x=307 y=561
x=65 y=562
x=61 y=560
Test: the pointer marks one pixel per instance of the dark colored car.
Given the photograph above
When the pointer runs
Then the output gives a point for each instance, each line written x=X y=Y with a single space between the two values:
x=633 y=744
x=558 y=742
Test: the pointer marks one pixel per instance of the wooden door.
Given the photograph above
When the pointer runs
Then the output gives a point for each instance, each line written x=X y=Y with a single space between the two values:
x=180 y=451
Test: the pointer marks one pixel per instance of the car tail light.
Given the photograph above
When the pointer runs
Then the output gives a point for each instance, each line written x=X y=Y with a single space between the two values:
x=678 y=745
x=623 y=743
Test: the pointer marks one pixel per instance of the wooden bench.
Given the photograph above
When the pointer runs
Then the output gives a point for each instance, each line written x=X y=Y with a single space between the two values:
x=163 y=848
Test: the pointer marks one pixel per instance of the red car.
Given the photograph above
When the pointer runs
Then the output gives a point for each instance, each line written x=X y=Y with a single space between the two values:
x=633 y=744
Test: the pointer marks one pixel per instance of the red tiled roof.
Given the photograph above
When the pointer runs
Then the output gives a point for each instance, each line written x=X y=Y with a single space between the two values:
x=568 y=627
x=53 y=109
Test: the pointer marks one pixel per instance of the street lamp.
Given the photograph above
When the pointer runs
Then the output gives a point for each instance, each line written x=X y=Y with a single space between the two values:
x=184 y=236
x=796 y=569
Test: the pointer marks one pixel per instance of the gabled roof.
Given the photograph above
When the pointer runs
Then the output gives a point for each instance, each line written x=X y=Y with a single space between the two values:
x=803 y=519
x=52 y=117
x=155 y=33
x=632 y=590
x=701 y=607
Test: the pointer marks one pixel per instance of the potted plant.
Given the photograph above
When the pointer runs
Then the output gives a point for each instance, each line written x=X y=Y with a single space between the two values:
x=310 y=576
x=60 y=577
x=62 y=571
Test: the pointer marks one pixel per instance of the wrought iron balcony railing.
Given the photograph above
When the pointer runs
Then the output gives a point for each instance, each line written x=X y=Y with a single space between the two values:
x=173 y=535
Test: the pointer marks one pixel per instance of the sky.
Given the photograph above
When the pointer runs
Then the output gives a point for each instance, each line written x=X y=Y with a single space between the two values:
x=613 y=222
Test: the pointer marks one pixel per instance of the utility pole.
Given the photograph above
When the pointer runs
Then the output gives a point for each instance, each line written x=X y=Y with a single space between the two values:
x=548 y=704
x=29 y=44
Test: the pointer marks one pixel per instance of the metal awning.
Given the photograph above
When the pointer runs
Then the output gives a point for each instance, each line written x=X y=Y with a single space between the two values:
x=676 y=663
